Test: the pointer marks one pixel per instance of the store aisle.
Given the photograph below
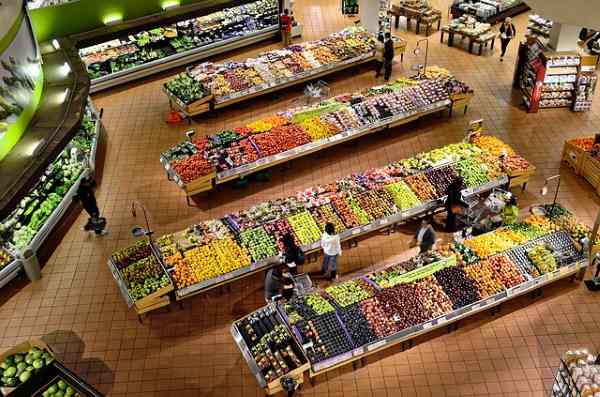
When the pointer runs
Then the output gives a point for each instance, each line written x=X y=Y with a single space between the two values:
x=189 y=352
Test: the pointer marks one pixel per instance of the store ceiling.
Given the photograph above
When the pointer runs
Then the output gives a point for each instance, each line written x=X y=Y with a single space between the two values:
x=584 y=13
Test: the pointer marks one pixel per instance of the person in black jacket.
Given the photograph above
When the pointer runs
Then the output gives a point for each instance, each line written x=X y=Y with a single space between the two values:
x=507 y=33
x=388 y=56
x=85 y=194
x=292 y=253
x=425 y=236
x=453 y=203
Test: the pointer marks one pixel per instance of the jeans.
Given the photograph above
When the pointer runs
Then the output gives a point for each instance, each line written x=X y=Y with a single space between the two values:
x=329 y=259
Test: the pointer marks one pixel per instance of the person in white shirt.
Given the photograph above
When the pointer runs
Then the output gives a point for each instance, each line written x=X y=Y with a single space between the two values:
x=330 y=242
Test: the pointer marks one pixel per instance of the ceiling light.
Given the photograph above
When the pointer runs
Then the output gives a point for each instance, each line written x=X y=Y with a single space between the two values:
x=55 y=44
x=169 y=5
x=113 y=19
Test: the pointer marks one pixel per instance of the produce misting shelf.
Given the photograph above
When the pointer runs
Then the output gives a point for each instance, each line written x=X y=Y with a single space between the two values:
x=209 y=103
x=180 y=59
x=208 y=182
x=44 y=232
x=347 y=235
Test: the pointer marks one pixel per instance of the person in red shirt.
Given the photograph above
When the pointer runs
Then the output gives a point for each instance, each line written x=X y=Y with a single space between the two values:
x=286 y=27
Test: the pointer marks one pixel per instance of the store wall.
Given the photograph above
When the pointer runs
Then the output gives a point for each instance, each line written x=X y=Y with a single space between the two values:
x=85 y=15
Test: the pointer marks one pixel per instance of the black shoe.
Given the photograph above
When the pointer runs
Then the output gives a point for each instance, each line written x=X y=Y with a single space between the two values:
x=333 y=276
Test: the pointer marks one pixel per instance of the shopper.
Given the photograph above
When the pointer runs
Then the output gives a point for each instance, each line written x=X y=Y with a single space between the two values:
x=379 y=47
x=85 y=194
x=425 y=236
x=388 y=56
x=507 y=33
x=330 y=242
x=273 y=283
x=510 y=212
x=292 y=255
x=286 y=27
x=454 y=203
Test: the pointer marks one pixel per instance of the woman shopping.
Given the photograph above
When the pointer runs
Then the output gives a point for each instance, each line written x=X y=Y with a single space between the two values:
x=507 y=33
x=330 y=242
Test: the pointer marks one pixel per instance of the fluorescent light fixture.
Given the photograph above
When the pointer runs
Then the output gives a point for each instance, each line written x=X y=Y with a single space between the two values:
x=170 y=4
x=55 y=44
x=113 y=19
x=62 y=96
x=65 y=69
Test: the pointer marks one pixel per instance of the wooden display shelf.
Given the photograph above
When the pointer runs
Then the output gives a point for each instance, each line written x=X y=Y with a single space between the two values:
x=573 y=156
x=461 y=101
x=521 y=178
x=590 y=170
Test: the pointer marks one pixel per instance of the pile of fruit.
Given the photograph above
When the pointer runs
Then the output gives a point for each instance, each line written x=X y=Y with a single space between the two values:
x=260 y=244
x=60 y=389
x=489 y=244
x=19 y=368
x=350 y=292
x=542 y=258
x=457 y=286
x=403 y=196
x=5 y=258
x=305 y=227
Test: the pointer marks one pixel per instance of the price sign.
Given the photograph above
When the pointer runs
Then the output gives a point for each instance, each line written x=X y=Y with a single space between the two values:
x=427 y=325
x=355 y=231
x=383 y=222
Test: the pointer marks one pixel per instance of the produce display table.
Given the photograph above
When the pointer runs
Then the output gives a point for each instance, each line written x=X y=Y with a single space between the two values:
x=500 y=11
x=48 y=378
x=369 y=313
x=581 y=154
x=423 y=16
x=474 y=32
x=220 y=251
x=208 y=86
x=39 y=213
x=203 y=166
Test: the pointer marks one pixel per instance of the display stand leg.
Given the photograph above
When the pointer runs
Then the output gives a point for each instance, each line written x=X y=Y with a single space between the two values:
x=452 y=327
x=418 y=26
x=524 y=186
x=312 y=381
x=450 y=111
x=397 y=21
x=492 y=46
x=439 y=24
x=363 y=361
x=401 y=57
x=140 y=318
x=442 y=37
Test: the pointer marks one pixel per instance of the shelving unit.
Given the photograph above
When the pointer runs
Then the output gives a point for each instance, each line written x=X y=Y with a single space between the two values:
x=549 y=79
x=35 y=200
x=488 y=11
x=140 y=52
x=539 y=27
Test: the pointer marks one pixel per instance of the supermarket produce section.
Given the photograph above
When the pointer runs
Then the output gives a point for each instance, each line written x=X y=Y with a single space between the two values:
x=350 y=320
x=199 y=165
x=210 y=86
x=220 y=251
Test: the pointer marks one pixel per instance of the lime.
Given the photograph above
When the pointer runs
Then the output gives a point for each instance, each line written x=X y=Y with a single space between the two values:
x=21 y=366
x=17 y=358
x=24 y=377
x=62 y=385
x=37 y=364
x=52 y=389
x=10 y=371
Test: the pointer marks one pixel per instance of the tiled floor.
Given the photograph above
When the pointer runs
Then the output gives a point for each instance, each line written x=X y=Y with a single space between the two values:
x=77 y=308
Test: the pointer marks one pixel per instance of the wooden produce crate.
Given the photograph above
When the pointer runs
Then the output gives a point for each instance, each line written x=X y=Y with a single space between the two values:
x=590 y=170
x=200 y=185
x=200 y=106
x=22 y=348
x=520 y=178
x=461 y=101
x=573 y=157
x=153 y=299
x=297 y=374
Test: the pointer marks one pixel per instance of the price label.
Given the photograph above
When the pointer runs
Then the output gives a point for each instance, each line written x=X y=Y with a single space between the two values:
x=355 y=231
x=383 y=222
x=550 y=276
x=427 y=325
x=476 y=306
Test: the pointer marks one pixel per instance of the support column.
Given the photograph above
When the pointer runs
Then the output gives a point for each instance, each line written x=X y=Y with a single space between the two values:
x=564 y=37
x=368 y=10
